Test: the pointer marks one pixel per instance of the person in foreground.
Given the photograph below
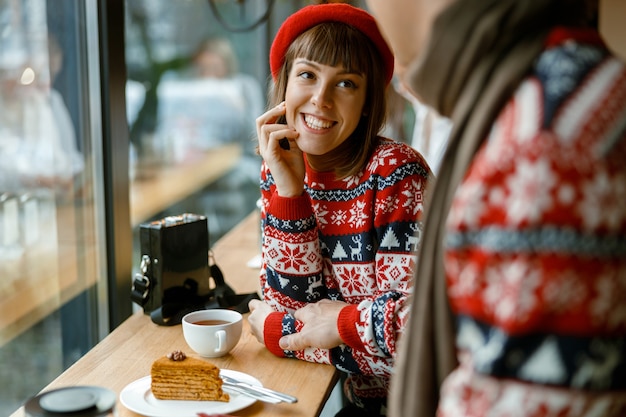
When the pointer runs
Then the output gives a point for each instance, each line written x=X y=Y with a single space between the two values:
x=341 y=205
x=530 y=203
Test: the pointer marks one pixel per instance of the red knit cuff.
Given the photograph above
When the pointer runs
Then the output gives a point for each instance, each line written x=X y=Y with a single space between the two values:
x=272 y=332
x=346 y=324
x=290 y=208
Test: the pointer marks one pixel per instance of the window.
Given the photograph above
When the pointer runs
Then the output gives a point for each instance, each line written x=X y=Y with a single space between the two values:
x=197 y=80
x=83 y=139
x=52 y=251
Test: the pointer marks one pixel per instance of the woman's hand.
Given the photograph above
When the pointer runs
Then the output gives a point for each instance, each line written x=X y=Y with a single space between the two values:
x=319 y=326
x=286 y=165
x=258 y=313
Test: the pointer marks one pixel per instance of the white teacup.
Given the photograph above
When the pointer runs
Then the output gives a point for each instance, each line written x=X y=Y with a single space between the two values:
x=212 y=333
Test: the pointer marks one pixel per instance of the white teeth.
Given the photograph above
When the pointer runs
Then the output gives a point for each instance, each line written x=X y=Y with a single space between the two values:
x=315 y=123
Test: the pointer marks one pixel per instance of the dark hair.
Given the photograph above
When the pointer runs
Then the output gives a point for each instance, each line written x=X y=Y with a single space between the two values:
x=334 y=43
x=577 y=13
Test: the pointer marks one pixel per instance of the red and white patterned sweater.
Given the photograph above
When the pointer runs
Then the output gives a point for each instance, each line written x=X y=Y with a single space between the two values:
x=536 y=246
x=352 y=240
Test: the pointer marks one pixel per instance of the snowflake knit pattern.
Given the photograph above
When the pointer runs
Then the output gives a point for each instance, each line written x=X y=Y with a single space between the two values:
x=536 y=246
x=353 y=240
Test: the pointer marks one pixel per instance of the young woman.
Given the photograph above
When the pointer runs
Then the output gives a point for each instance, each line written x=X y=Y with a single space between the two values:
x=341 y=205
x=530 y=205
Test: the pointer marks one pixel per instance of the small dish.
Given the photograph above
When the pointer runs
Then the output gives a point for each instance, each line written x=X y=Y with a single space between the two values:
x=80 y=401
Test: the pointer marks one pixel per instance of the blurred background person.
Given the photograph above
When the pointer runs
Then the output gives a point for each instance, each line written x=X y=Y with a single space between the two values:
x=215 y=58
x=38 y=147
x=210 y=103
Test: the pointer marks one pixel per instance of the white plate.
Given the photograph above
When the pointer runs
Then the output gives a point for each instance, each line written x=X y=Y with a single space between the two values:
x=138 y=398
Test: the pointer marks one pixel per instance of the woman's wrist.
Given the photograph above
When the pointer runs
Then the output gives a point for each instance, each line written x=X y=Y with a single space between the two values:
x=290 y=193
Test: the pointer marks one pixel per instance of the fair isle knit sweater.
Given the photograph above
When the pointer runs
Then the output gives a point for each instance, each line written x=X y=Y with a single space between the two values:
x=352 y=240
x=536 y=246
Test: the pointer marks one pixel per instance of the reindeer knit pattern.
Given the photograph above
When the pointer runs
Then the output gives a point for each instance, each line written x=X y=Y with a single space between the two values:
x=536 y=246
x=353 y=240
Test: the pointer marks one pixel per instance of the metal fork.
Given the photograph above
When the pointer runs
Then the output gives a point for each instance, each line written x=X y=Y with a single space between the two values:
x=244 y=386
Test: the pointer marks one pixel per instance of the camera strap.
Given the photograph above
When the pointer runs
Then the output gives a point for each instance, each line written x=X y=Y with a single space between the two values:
x=140 y=290
x=185 y=299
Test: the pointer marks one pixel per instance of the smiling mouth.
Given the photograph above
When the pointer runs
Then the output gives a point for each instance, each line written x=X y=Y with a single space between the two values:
x=317 y=124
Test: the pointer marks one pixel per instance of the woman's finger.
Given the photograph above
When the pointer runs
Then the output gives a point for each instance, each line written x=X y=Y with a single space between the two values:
x=266 y=124
x=282 y=138
x=271 y=134
x=272 y=115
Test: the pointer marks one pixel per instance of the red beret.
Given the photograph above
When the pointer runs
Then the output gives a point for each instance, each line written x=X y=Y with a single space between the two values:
x=312 y=15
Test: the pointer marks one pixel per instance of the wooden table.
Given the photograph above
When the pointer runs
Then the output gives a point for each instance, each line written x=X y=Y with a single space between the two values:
x=127 y=353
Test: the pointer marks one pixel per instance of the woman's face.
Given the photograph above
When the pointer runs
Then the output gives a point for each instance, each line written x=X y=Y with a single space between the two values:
x=324 y=104
x=211 y=65
x=406 y=26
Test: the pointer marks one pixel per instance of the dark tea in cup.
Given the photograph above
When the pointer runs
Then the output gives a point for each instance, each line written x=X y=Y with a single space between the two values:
x=211 y=322
x=213 y=332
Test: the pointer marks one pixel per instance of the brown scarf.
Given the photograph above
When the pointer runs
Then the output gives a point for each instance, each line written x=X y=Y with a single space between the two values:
x=478 y=53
